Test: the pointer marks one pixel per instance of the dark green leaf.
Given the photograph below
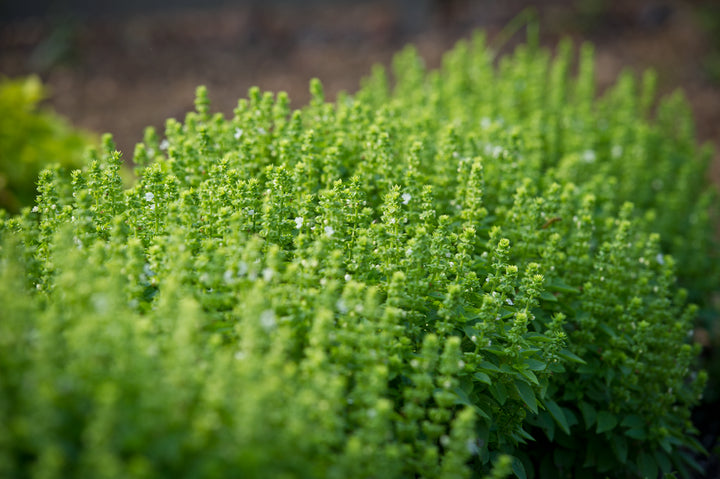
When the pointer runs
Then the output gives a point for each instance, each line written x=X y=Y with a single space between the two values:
x=528 y=352
x=647 y=466
x=496 y=352
x=535 y=365
x=527 y=395
x=620 y=447
x=506 y=313
x=607 y=330
x=589 y=414
x=572 y=419
x=483 y=433
x=548 y=297
x=518 y=468
x=639 y=434
x=483 y=378
x=663 y=461
x=694 y=444
x=530 y=376
x=499 y=392
x=564 y=458
x=665 y=444
x=560 y=286
x=481 y=412
x=547 y=424
x=488 y=366
x=557 y=414
x=538 y=338
x=462 y=397
x=690 y=460
x=569 y=356
x=470 y=331
x=606 y=421
x=633 y=421
x=525 y=435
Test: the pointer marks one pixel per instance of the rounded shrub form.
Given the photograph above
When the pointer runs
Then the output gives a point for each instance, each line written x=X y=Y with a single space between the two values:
x=444 y=279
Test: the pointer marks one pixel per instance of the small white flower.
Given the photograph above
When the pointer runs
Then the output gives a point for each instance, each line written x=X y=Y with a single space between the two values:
x=509 y=301
x=149 y=196
x=152 y=206
x=588 y=156
x=409 y=252
x=329 y=230
x=228 y=276
x=406 y=197
x=147 y=271
x=238 y=133
x=472 y=447
x=261 y=131
x=267 y=319
x=268 y=274
x=341 y=306
x=616 y=151
x=240 y=355
x=164 y=145
x=347 y=277
x=35 y=209
x=251 y=212
x=100 y=302
x=299 y=222
x=660 y=258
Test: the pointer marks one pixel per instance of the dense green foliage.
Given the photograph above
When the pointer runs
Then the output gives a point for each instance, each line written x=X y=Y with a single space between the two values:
x=416 y=281
x=31 y=138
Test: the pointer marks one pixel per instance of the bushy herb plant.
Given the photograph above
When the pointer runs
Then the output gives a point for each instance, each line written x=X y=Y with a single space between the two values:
x=473 y=267
x=32 y=138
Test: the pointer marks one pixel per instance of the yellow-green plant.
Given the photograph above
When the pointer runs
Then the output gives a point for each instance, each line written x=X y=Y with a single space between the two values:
x=32 y=138
x=420 y=281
